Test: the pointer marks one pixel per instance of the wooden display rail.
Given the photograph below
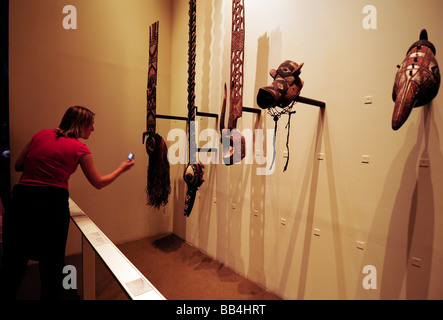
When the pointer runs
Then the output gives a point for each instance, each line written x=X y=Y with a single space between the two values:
x=94 y=241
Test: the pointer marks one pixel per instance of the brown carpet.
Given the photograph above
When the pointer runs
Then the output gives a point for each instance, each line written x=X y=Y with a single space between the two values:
x=178 y=270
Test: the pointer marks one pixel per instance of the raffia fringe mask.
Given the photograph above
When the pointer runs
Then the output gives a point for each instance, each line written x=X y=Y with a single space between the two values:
x=159 y=185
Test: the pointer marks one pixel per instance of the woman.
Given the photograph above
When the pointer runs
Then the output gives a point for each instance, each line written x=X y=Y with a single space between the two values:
x=36 y=228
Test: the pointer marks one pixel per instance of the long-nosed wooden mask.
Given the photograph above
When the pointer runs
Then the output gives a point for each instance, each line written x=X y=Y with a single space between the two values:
x=417 y=80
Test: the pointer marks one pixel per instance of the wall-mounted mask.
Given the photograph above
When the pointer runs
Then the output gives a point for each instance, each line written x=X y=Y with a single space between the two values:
x=279 y=97
x=159 y=184
x=284 y=89
x=193 y=176
x=417 y=81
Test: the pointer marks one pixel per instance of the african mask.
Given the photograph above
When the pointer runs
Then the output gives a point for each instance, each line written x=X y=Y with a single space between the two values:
x=417 y=81
x=285 y=88
x=193 y=176
x=159 y=185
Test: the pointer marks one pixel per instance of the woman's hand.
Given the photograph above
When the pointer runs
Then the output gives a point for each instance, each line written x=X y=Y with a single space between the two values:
x=126 y=165
x=94 y=177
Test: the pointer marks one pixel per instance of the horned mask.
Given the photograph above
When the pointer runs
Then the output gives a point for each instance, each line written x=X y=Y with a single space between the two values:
x=417 y=80
x=284 y=89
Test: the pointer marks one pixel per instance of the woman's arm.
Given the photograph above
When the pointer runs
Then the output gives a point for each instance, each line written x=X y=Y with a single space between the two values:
x=20 y=162
x=94 y=177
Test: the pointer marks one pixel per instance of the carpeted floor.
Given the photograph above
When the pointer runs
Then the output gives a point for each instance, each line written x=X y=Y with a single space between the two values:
x=178 y=270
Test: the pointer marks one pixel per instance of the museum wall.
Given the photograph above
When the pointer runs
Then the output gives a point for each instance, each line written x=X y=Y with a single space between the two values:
x=354 y=216
x=101 y=65
x=341 y=227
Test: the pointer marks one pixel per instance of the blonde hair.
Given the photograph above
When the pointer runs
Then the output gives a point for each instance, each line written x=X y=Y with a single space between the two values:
x=74 y=120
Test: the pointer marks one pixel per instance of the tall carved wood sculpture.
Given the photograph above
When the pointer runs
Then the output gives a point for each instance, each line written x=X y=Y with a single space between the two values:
x=417 y=81
x=158 y=187
x=233 y=142
x=151 y=92
x=193 y=174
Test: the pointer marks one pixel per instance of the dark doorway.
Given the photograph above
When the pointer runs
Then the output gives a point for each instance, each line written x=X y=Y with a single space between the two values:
x=5 y=174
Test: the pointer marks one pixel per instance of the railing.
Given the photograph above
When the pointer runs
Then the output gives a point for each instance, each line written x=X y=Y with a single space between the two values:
x=94 y=241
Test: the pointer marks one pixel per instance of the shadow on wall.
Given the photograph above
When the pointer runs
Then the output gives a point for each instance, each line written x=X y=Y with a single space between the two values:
x=410 y=225
x=323 y=132
x=310 y=178
x=179 y=219
x=257 y=217
x=205 y=202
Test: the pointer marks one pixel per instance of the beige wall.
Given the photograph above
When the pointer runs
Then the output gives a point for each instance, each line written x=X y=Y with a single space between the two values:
x=391 y=204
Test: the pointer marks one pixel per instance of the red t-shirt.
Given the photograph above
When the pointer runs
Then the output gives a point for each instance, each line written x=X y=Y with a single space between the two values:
x=51 y=160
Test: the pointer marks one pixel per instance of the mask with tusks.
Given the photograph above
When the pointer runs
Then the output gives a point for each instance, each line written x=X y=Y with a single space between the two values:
x=284 y=89
x=417 y=80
